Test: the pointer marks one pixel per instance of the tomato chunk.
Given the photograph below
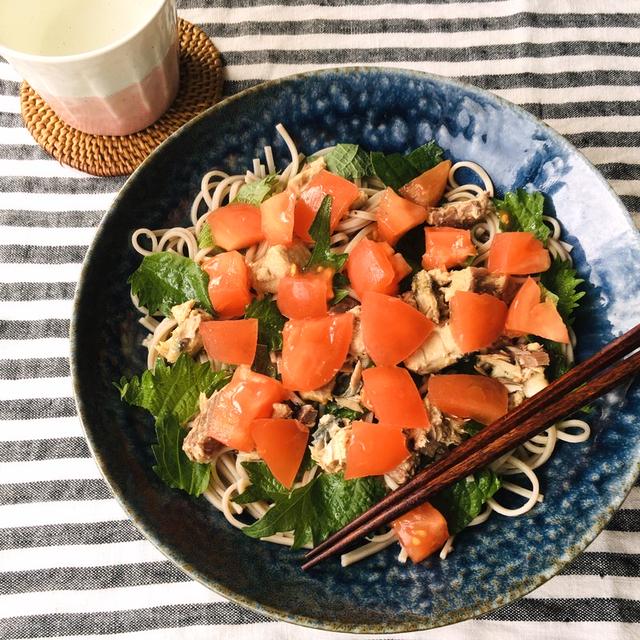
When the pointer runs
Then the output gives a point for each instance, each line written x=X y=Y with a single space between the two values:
x=230 y=341
x=400 y=266
x=429 y=187
x=228 y=283
x=518 y=253
x=391 y=329
x=342 y=192
x=373 y=266
x=396 y=215
x=314 y=349
x=393 y=396
x=248 y=396
x=421 y=531
x=277 y=218
x=528 y=315
x=303 y=296
x=374 y=449
x=281 y=444
x=468 y=396
x=477 y=319
x=446 y=247
x=236 y=226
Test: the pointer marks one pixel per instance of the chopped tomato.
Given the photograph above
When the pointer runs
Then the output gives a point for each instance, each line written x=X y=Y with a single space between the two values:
x=373 y=266
x=518 y=253
x=281 y=443
x=277 y=218
x=303 y=296
x=248 y=396
x=421 y=531
x=446 y=247
x=314 y=349
x=342 y=192
x=393 y=396
x=391 y=329
x=228 y=283
x=400 y=266
x=374 y=449
x=528 y=315
x=396 y=215
x=469 y=396
x=477 y=320
x=428 y=188
x=236 y=226
x=327 y=273
x=230 y=341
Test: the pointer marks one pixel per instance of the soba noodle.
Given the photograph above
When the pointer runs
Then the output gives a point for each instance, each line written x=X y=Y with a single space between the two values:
x=228 y=477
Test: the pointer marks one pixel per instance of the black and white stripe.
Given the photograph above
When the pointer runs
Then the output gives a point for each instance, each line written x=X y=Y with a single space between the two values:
x=71 y=564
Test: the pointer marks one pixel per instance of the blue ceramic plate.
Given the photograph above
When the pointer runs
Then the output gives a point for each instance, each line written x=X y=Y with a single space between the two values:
x=493 y=564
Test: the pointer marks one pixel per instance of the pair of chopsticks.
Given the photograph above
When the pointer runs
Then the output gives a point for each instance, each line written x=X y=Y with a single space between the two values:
x=580 y=386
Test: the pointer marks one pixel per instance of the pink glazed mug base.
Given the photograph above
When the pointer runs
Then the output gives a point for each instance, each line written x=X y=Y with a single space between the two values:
x=127 y=111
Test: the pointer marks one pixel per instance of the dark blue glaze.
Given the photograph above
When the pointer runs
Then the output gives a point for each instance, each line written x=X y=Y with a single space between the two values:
x=392 y=111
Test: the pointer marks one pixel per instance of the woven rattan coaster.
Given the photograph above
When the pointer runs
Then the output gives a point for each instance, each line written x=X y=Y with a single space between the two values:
x=200 y=87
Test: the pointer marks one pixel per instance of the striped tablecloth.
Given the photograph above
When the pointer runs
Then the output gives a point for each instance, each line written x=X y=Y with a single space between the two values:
x=71 y=564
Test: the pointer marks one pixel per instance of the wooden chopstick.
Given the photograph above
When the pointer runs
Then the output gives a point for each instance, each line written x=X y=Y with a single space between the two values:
x=615 y=350
x=557 y=400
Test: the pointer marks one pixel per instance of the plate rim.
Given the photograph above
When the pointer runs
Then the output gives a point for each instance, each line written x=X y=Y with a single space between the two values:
x=520 y=588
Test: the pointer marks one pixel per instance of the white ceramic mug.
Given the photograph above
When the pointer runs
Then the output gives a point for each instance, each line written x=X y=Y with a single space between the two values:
x=106 y=67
